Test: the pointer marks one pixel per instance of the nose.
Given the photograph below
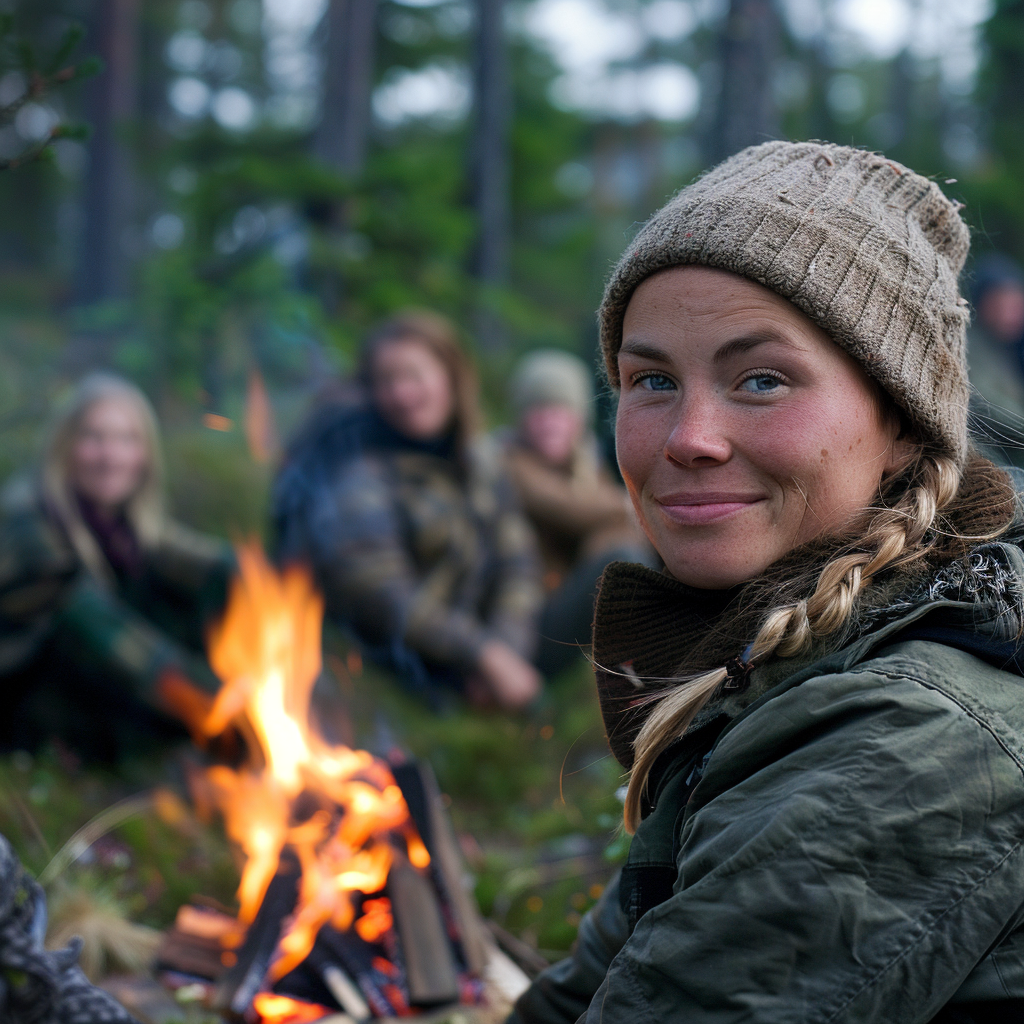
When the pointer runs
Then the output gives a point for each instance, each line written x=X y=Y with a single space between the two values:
x=699 y=437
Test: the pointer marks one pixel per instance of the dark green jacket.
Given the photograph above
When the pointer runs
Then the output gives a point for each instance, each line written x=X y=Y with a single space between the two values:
x=843 y=841
x=129 y=630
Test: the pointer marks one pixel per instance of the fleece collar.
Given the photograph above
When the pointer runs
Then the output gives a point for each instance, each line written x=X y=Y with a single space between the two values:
x=648 y=626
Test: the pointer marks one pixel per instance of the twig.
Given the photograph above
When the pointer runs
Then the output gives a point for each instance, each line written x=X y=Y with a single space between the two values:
x=92 y=830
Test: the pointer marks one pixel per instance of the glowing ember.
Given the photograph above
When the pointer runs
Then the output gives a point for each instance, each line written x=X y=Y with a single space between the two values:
x=267 y=653
x=274 y=1009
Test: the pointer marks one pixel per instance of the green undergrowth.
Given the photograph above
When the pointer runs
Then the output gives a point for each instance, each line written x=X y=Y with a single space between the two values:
x=147 y=865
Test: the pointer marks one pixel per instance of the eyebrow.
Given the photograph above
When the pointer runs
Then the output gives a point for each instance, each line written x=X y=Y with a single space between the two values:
x=731 y=348
x=744 y=344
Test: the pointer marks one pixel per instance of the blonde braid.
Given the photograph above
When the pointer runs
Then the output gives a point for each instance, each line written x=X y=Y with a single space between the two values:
x=893 y=536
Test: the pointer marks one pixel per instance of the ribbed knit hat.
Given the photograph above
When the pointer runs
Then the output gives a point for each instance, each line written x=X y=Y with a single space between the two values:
x=868 y=249
x=550 y=376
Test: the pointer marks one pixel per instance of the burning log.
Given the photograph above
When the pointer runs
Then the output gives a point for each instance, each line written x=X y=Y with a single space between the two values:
x=352 y=893
x=195 y=944
x=241 y=982
x=419 y=786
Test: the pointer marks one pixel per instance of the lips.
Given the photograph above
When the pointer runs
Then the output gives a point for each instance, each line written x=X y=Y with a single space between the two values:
x=701 y=509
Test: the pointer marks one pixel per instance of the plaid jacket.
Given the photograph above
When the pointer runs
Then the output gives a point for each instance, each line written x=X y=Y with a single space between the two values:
x=410 y=544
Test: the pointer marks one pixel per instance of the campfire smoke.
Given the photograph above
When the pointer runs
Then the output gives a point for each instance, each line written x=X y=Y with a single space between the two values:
x=336 y=813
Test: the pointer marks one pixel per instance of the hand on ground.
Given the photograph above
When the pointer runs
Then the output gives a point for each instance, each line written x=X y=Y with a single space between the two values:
x=503 y=678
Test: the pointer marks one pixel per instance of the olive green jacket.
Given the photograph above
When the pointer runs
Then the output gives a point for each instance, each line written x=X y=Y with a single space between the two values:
x=842 y=841
x=131 y=630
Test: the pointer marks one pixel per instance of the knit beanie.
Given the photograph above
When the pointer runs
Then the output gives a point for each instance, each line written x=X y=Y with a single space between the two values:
x=552 y=377
x=867 y=248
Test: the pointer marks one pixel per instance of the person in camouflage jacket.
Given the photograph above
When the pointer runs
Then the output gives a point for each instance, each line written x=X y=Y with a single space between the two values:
x=405 y=513
x=103 y=599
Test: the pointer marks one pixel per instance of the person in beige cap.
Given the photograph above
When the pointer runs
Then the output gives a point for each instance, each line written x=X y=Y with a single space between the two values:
x=819 y=700
x=580 y=513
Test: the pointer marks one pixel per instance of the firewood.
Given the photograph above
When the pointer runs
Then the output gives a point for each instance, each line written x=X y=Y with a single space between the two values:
x=523 y=955
x=241 y=982
x=191 y=954
x=430 y=968
x=422 y=794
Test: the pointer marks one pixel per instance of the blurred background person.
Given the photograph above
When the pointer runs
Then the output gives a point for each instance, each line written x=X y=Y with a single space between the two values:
x=404 y=510
x=104 y=599
x=996 y=357
x=580 y=513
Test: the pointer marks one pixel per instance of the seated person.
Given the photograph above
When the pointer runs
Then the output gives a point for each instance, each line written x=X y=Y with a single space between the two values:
x=581 y=515
x=403 y=510
x=103 y=599
x=995 y=353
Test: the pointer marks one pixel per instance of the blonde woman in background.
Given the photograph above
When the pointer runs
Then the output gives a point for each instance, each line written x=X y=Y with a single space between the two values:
x=103 y=598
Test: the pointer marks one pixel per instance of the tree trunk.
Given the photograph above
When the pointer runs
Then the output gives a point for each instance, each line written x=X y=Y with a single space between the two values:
x=747 y=113
x=489 y=168
x=105 y=262
x=342 y=135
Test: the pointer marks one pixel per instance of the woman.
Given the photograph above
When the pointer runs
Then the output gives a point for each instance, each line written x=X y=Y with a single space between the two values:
x=580 y=514
x=405 y=514
x=820 y=700
x=103 y=599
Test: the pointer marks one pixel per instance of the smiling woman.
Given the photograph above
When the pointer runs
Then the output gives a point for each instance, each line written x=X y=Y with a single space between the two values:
x=104 y=600
x=819 y=700
x=743 y=431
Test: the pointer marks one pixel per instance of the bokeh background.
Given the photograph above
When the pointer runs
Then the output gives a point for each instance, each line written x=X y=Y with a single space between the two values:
x=263 y=180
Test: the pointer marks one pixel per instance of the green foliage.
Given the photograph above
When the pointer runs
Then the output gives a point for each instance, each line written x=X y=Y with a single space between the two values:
x=994 y=192
x=215 y=485
x=42 y=75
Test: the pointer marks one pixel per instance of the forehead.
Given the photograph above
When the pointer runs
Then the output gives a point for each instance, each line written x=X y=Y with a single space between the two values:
x=409 y=351
x=113 y=411
x=705 y=296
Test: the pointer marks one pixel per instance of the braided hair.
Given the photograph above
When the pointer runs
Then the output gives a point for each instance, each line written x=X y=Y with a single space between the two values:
x=930 y=509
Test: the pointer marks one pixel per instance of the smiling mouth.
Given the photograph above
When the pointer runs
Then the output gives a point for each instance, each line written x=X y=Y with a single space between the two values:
x=710 y=509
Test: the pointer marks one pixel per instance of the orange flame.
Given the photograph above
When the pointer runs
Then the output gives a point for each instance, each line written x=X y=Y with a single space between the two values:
x=275 y=1009
x=267 y=653
x=376 y=919
x=260 y=429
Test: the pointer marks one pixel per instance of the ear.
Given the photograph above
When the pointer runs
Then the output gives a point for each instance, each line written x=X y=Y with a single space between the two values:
x=902 y=452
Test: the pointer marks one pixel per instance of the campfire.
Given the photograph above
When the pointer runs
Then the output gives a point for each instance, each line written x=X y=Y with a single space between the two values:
x=351 y=896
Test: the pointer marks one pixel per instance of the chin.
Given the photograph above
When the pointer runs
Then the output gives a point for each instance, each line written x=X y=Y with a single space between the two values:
x=711 y=574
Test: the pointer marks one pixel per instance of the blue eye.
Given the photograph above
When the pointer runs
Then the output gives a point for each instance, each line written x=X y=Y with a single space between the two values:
x=761 y=384
x=655 y=382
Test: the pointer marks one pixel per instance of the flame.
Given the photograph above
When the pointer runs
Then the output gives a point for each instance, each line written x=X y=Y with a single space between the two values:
x=376 y=919
x=266 y=650
x=275 y=1009
x=260 y=429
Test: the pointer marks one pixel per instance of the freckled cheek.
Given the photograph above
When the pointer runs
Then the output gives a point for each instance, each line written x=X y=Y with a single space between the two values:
x=639 y=443
x=792 y=445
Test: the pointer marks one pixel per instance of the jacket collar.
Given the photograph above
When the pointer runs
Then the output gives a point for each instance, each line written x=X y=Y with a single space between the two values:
x=648 y=624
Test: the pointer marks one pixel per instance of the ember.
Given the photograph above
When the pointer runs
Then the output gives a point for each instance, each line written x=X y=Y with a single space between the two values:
x=321 y=828
x=274 y=1009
